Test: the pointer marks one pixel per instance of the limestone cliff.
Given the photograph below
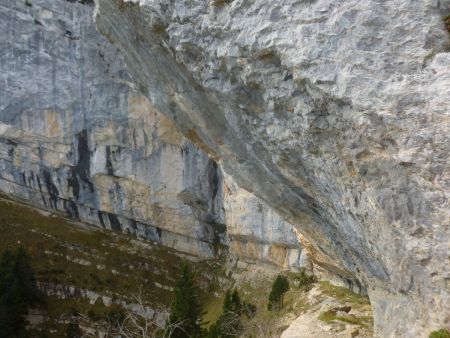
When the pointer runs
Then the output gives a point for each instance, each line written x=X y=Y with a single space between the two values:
x=336 y=113
x=76 y=137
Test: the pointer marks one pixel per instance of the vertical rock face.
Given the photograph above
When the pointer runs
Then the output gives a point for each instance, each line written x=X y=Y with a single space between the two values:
x=76 y=136
x=336 y=113
x=256 y=231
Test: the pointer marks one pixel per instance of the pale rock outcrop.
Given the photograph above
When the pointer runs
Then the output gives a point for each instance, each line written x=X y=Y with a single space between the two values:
x=76 y=136
x=256 y=231
x=336 y=113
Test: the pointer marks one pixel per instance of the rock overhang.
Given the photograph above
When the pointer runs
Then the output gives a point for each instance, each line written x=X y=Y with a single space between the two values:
x=325 y=110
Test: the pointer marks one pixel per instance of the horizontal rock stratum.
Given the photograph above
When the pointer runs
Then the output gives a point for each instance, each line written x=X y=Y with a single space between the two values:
x=336 y=113
x=76 y=137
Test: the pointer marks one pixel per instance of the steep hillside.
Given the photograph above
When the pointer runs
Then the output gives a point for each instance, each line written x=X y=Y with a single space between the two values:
x=86 y=273
x=91 y=276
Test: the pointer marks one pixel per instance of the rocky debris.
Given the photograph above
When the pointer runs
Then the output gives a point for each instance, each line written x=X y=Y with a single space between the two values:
x=79 y=261
x=309 y=324
x=35 y=317
x=164 y=287
x=66 y=291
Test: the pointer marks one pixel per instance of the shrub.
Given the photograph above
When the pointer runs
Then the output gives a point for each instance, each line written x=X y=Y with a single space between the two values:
x=327 y=316
x=115 y=314
x=249 y=310
x=94 y=316
x=221 y=3
x=447 y=22
x=303 y=280
x=442 y=333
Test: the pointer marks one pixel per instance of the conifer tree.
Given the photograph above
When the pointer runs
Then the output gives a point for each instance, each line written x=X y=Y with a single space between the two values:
x=185 y=312
x=17 y=292
x=214 y=330
x=229 y=324
x=279 y=288
x=236 y=305
x=25 y=275
x=73 y=331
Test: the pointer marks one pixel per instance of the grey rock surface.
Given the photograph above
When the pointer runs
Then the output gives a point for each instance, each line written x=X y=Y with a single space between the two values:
x=336 y=113
x=77 y=137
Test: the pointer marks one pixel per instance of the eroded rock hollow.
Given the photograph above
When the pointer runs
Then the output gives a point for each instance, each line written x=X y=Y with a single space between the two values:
x=336 y=113
x=76 y=137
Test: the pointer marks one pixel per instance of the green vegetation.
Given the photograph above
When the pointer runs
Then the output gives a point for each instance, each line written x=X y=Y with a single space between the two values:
x=88 y=258
x=230 y=322
x=59 y=248
x=442 y=333
x=17 y=291
x=73 y=331
x=117 y=265
x=257 y=320
x=344 y=295
x=122 y=5
x=447 y=22
x=221 y=3
x=430 y=55
x=279 y=288
x=304 y=281
x=112 y=264
x=213 y=309
x=158 y=29
x=220 y=231
x=331 y=315
x=185 y=312
x=327 y=316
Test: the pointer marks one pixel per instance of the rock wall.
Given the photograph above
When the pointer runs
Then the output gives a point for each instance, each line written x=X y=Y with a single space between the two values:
x=77 y=137
x=255 y=230
x=336 y=113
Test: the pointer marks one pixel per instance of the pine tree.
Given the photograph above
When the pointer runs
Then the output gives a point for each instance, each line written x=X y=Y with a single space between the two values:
x=284 y=287
x=230 y=321
x=229 y=324
x=25 y=276
x=8 y=308
x=279 y=288
x=17 y=292
x=73 y=331
x=236 y=305
x=185 y=312
x=214 y=331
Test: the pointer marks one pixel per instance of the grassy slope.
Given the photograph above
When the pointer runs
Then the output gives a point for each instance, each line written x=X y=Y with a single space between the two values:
x=256 y=289
x=345 y=296
x=118 y=264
